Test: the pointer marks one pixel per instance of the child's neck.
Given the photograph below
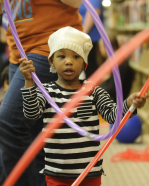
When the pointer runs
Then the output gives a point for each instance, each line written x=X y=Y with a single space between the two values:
x=69 y=84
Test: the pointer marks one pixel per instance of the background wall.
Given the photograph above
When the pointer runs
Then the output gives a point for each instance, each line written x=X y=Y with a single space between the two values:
x=125 y=18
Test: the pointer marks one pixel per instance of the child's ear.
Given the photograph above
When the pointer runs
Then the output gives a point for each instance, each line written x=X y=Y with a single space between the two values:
x=51 y=60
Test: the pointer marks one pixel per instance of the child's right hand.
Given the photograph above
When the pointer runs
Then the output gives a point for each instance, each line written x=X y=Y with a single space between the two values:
x=26 y=67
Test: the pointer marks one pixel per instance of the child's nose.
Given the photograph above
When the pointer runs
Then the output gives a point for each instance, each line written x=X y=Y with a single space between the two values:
x=68 y=61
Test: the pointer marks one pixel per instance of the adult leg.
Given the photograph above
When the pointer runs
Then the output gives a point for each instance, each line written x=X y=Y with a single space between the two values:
x=3 y=63
x=34 y=131
x=3 y=176
x=12 y=70
x=15 y=134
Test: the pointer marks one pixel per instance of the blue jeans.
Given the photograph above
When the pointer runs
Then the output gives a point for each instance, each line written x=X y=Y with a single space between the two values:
x=17 y=132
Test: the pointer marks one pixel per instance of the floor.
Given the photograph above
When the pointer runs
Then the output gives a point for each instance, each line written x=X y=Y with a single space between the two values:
x=122 y=173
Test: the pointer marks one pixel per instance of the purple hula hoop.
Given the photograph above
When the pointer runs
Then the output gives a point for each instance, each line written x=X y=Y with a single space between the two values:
x=116 y=75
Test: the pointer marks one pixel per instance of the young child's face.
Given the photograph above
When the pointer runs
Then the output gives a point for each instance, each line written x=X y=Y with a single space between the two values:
x=68 y=64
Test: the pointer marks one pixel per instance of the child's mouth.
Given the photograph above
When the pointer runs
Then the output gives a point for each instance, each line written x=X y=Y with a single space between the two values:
x=68 y=72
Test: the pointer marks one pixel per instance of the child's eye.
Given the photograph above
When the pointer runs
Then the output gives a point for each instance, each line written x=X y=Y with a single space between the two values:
x=76 y=56
x=61 y=56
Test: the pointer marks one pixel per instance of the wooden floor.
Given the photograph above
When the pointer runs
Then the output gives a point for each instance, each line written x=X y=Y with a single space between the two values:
x=123 y=173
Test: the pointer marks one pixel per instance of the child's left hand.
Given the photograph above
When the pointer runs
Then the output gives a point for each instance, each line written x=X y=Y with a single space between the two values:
x=137 y=100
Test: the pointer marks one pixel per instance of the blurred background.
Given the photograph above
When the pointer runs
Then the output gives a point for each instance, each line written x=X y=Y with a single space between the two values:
x=124 y=19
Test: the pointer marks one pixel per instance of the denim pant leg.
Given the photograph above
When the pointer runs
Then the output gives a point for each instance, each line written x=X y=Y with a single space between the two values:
x=15 y=129
x=12 y=70
x=2 y=175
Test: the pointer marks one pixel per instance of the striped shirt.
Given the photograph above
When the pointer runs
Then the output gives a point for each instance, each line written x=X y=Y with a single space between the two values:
x=68 y=153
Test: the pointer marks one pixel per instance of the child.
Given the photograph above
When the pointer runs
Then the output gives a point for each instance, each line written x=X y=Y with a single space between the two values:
x=68 y=153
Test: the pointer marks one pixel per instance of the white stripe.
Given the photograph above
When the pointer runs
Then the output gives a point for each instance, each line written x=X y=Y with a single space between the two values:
x=92 y=118
x=67 y=141
x=71 y=161
x=70 y=130
x=70 y=151
x=72 y=110
x=51 y=120
x=50 y=109
x=60 y=92
x=77 y=171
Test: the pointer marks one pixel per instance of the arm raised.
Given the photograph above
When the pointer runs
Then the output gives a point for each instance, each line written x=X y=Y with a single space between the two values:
x=88 y=21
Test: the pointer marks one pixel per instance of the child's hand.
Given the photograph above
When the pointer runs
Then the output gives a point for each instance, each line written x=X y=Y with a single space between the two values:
x=137 y=100
x=26 y=67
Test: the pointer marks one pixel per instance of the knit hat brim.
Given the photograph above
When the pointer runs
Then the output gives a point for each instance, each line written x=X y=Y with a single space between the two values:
x=72 y=39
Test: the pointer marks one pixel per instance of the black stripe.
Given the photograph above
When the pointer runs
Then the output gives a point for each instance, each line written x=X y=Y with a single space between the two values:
x=73 y=145
x=71 y=176
x=70 y=135
x=71 y=156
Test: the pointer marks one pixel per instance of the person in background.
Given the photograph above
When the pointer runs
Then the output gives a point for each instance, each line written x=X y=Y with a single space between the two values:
x=90 y=29
x=126 y=72
x=4 y=56
x=5 y=78
x=35 y=20
x=4 y=53
x=5 y=84
x=67 y=154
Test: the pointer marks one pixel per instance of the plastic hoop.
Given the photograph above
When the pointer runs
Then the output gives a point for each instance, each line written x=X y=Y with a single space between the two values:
x=49 y=99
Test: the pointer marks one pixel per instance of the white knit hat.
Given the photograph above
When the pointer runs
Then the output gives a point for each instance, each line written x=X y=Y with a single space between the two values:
x=70 y=38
